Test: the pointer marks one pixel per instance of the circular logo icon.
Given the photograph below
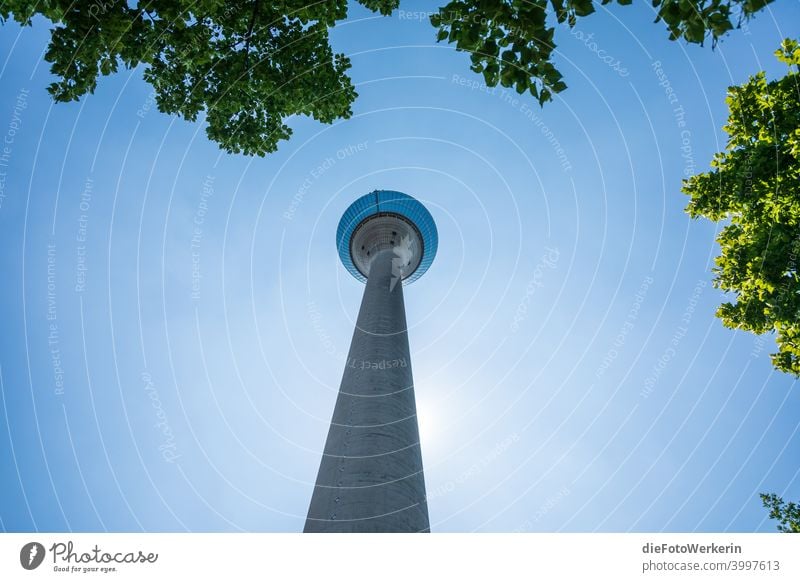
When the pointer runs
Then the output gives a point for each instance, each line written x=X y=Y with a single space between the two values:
x=31 y=555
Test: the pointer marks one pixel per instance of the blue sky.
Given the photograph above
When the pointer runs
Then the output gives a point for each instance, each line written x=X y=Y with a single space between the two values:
x=175 y=319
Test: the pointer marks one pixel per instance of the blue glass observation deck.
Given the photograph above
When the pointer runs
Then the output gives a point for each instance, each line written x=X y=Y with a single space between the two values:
x=386 y=219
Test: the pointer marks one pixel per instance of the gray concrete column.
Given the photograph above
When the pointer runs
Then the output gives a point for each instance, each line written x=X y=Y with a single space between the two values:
x=370 y=478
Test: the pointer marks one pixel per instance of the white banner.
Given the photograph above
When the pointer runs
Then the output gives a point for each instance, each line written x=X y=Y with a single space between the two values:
x=388 y=557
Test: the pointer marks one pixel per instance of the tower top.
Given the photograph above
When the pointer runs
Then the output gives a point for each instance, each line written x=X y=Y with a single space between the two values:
x=382 y=220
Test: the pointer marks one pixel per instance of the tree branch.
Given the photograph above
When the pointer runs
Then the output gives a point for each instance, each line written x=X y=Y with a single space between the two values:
x=249 y=34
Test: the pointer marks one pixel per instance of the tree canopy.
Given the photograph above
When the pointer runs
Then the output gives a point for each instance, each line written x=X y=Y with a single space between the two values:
x=511 y=41
x=787 y=514
x=754 y=186
x=248 y=65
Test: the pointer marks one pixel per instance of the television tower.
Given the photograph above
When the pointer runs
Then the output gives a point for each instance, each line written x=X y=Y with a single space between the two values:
x=370 y=478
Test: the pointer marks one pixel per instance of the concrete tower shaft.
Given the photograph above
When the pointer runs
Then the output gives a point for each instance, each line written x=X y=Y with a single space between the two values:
x=370 y=478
